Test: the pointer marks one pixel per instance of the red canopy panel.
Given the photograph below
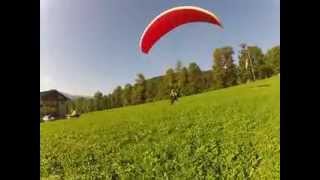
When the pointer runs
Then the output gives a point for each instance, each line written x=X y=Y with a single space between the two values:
x=171 y=19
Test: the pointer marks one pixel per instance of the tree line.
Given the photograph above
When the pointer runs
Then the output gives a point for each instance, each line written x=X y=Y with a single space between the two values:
x=188 y=80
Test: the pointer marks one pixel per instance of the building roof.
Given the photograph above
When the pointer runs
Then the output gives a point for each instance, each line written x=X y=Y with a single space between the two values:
x=53 y=91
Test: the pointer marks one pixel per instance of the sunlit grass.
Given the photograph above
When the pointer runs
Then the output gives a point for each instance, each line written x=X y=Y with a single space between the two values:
x=232 y=133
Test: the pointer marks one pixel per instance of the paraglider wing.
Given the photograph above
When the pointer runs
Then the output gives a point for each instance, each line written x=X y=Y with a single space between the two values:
x=171 y=19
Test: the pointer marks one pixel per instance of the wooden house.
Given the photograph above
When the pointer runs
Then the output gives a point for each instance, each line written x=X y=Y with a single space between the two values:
x=53 y=102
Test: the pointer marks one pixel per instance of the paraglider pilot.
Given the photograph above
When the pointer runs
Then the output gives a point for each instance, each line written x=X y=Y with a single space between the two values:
x=173 y=96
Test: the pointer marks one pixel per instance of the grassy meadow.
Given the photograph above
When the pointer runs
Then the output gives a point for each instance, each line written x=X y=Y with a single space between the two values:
x=232 y=133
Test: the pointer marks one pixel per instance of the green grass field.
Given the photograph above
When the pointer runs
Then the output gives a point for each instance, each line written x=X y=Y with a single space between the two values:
x=232 y=133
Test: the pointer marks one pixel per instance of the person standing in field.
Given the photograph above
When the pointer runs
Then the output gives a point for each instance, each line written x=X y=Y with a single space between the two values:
x=173 y=96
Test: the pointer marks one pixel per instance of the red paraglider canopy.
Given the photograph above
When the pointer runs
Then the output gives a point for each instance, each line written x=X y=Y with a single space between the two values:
x=171 y=19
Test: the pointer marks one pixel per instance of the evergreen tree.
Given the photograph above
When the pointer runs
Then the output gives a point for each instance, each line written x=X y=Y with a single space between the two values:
x=171 y=79
x=187 y=80
x=224 y=70
x=179 y=66
x=183 y=81
x=162 y=89
x=151 y=90
x=207 y=79
x=195 y=81
x=273 y=58
x=91 y=104
x=105 y=102
x=127 y=94
x=108 y=101
x=98 y=98
x=117 y=97
x=139 y=90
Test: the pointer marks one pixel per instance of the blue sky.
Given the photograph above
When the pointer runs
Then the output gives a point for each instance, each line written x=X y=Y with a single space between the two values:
x=90 y=45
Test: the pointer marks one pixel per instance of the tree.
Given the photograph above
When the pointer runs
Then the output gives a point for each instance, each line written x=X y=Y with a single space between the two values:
x=245 y=69
x=195 y=80
x=91 y=105
x=224 y=70
x=117 y=97
x=98 y=101
x=80 y=105
x=162 y=89
x=139 y=90
x=171 y=79
x=265 y=71
x=257 y=64
x=127 y=95
x=207 y=79
x=183 y=81
x=179 y=66
x=107 y=101
x=98 y=95
x=151 y=89
x=273 y=58
x=167 y=82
